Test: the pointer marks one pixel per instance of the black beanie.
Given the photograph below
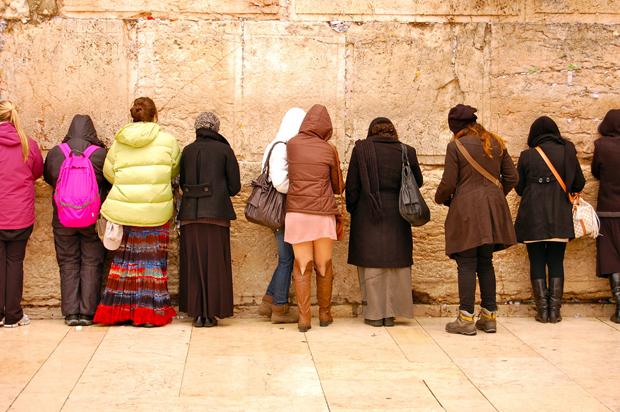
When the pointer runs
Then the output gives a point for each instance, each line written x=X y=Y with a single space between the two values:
x=461 y=116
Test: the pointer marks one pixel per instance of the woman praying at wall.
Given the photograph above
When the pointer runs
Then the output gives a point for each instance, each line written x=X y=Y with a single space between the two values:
x=79 y=251
x=545 y=219
x=21 y=165
x=311 y=209
x=606 y=168
x=478 y=175
x=209 y=177
x=380 y=242
x=140 y=166
x=275 y=302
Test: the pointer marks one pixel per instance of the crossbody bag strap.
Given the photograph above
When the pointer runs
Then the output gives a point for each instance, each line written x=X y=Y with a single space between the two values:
x=552 y=168
x=485 y=173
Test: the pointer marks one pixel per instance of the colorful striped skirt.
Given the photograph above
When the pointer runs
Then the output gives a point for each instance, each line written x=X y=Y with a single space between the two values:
x=137 y=287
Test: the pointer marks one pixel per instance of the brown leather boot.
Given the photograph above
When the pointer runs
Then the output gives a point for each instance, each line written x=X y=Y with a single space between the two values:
x=264 y=309
x=302 y=291
x=283 y=314
x=324 y=283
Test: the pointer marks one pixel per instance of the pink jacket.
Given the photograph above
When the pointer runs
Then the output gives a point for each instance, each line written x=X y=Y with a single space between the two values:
x=17 y=179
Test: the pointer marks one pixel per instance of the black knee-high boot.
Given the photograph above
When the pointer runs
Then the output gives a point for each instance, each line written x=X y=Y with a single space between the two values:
x=539 y=288
x=556 y=290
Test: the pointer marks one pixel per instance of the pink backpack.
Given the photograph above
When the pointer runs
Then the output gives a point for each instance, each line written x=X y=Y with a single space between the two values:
x=77 y=192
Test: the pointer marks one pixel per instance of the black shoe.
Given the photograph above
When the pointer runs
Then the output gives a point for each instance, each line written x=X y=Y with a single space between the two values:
x=375 y=323
x=389 y=322
x=86 y=320
x=148 y=325
x=199 y=321
x=556 y=290
x=210 y=322
x=72 y=320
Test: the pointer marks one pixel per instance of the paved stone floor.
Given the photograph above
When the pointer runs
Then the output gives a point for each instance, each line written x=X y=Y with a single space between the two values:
x=250 y=364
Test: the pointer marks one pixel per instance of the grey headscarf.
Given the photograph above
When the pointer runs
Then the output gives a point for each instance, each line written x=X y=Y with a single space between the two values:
x=207 y=120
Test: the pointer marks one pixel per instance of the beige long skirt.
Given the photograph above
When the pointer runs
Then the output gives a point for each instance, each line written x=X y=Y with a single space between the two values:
x=386 y=292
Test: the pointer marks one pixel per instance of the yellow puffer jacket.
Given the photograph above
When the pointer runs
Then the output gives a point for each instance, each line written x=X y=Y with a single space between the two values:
x=140 y=165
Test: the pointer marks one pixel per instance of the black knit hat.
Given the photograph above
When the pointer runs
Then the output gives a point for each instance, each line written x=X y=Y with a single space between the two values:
x=461 y=116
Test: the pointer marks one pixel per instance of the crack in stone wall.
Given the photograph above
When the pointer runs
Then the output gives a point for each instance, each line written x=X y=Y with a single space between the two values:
x=250 y=61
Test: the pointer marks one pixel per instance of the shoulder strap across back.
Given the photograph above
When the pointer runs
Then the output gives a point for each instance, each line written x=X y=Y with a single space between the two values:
x=485 y=173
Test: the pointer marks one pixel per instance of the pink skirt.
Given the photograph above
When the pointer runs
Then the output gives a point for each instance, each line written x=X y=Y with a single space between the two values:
x=304 y=227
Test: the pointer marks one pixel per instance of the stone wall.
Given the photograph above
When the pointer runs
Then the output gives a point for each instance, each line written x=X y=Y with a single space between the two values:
x=251 y=60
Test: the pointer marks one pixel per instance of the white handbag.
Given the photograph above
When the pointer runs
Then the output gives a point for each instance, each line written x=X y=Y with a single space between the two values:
x=585 y=219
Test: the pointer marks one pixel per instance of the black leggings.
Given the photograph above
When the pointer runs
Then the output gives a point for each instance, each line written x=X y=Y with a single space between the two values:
x=545 y=255
x=471 y=262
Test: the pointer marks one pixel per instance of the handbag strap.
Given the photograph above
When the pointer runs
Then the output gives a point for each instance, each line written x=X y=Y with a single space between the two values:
x=340 y=179
x=485 y=173
x=404 y=156
x=571 y=197
x=266 y=166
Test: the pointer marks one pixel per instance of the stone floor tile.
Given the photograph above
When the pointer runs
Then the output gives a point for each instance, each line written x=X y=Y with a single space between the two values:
x=516 y=379
x=22 y=352
x=134 y=364
x=610 y=323
x=562 y=344
x=55 y=380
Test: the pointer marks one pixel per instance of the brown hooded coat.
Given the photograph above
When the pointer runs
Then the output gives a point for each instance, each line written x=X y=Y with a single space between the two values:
x=313 y=166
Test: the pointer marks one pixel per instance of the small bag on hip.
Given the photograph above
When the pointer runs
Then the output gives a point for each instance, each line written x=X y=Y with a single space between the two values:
x=266 y=206
x=340 y=217
x=585 y=220
x=411 y=203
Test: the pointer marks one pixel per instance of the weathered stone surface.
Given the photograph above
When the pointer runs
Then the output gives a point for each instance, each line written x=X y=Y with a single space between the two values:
x=376 y=8
x=568 y=72
x=122 y=8
x=188 y=67
x=577 y=6
x=287 y=65
x=64 y=67
x=14 y=9
x=413 y=74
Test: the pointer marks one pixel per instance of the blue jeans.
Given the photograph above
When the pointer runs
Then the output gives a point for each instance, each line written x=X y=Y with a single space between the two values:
x=281 y=278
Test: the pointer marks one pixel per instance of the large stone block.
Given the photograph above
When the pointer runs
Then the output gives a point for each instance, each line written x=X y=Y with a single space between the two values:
x=567 y=72
x=65 y=67
x=287 y=65
x=577 y=6
x=413 y=74
x=188 y=67
x=161 y=8
x=376 y=8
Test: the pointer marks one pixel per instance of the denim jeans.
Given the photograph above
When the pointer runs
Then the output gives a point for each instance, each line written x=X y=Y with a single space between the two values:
x=281 y=279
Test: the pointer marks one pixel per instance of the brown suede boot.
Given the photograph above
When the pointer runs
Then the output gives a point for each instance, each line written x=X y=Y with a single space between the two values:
x=283 y=314
x=265 y=306
x=324 y=283
x=302 y=291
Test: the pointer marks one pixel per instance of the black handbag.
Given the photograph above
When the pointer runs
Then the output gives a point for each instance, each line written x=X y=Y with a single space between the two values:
x=266 y=206
x=411 y=204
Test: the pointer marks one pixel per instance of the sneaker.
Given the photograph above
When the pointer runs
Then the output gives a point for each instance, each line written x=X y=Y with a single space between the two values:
x=86 y=320
x=72 y=320
x=487 y=321
x=464 y=324
x=25 y=320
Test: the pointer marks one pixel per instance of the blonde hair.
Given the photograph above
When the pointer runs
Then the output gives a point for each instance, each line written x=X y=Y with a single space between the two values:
x=8 y=113
x=485 y=136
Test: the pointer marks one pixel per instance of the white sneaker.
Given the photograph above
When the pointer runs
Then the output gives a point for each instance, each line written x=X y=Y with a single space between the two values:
x=25 y=320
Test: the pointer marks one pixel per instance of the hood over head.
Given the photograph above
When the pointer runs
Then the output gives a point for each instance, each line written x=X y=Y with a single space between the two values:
x=461 y=116
x=290 y=125
x=138 y=134
x=82 y=127
x=317 y=123
x=8 y=135
x=544 y=129
x=610 y=126
x=382 y=127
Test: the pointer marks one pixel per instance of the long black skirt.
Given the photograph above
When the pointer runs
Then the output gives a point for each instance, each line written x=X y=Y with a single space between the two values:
x=206 y=287
x=608 y=247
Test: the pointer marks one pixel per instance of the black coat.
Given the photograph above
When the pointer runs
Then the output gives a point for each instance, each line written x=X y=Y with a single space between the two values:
x=606 y=167
x=209 y=177
x=387 y=242
x=545 y=211
x=81 y=135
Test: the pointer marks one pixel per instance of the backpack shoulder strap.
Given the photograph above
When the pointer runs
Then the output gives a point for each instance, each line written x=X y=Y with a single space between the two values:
x=555 y=172
x=66 y=150
x=485 y=173
x=90 y=150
